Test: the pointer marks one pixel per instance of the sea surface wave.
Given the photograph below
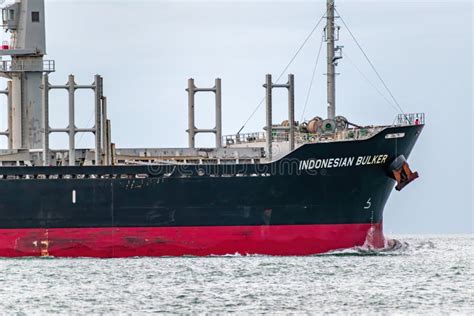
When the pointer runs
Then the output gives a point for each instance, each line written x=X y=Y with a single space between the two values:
x=417 y=275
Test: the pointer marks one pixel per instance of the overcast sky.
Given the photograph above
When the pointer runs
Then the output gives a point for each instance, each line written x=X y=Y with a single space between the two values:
x=146 y=50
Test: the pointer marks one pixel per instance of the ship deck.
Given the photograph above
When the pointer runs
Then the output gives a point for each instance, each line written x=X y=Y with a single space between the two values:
x=248 y=148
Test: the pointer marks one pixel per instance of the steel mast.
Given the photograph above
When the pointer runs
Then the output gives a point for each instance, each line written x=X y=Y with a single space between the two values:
x=331 y=38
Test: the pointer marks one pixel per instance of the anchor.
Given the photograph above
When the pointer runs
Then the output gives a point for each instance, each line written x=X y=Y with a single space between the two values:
x=402 y=173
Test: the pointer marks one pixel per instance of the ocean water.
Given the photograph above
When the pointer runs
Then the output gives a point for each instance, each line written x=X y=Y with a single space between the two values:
x=424 y=275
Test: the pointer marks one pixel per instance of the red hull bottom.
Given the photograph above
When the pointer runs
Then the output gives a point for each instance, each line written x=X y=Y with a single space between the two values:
x=290 y=240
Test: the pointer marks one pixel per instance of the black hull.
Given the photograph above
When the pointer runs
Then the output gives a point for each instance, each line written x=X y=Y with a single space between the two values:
x=290 y=191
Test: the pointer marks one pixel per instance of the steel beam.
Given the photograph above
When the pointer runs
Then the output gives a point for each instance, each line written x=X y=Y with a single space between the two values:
x=268 y=98
x=99 y=128
x=291 y=110
x=218 y=88
x=10 y=114
x=45 y=112
x=191 y=124
x=331 y=67
x=98 y=121
x=72 y=127
x=192 y=130
x=104 y=128
x=108 y=143
x=269 y=86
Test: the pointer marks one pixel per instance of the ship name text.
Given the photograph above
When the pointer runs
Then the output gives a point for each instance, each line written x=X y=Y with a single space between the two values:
x=311 y=164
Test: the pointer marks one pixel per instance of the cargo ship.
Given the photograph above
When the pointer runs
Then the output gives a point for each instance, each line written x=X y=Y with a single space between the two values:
x=296 y=188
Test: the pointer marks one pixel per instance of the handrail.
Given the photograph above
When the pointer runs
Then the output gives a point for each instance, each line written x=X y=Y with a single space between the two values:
x=244 y=138
x=359 y=133
x=19 y=66
x=303 y=138
x=411 y=119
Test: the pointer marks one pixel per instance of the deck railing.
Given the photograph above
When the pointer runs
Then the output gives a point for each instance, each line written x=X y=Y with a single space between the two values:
x=246 y=138
x=20 y=66
x=411 y=119
x=345 y=135
x=359 y=133
x=303 y=138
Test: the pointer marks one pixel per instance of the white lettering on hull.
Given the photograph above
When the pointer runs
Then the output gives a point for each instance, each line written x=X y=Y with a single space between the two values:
x=341 y=162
